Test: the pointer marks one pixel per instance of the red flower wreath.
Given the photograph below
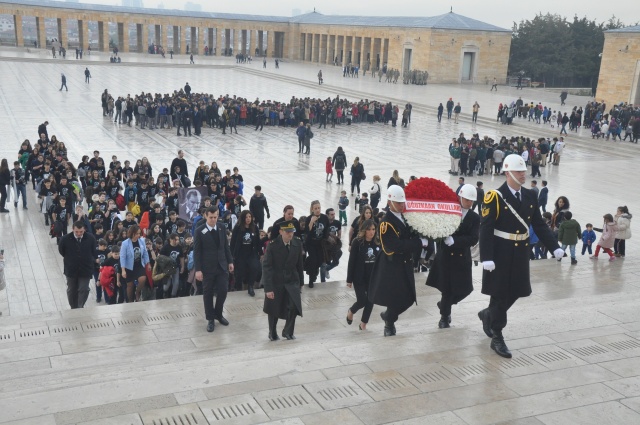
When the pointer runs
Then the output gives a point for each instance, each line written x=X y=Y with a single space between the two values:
x=428 y=189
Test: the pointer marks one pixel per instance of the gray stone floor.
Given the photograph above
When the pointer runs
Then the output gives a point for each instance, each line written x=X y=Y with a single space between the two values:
x=575 y=340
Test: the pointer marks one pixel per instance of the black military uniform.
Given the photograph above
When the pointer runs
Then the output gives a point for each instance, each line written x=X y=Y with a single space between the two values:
x=451 y=271
x=392 y=281
x=282 y=274
x=504 y=239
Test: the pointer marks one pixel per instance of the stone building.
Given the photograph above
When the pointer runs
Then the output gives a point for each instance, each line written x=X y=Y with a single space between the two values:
x=451 y=47
x=619 y=79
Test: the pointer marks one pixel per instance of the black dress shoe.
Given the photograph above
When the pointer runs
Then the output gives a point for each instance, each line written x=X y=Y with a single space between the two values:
x=444 y=322
x=310 y=284
x=289 y=337
x=349 y=321
x=273 y=336
x=211 y=325
x=252 y=293
x=389 y=329
x=383 y=315
x=223 y=321
x=498 y=345
x=486 y=326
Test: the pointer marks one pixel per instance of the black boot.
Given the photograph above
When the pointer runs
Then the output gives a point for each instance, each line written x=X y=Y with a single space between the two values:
x=444 y=322
x=251 y=291
x=498 y=345
x=389 y=327
x=486 y=326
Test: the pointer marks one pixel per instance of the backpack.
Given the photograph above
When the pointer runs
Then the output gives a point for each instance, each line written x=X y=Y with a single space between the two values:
x=107 y=279
x=340 y=162
x=122 y=205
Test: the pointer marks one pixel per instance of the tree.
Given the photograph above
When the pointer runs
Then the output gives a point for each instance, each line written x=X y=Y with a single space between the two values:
x=558 y=52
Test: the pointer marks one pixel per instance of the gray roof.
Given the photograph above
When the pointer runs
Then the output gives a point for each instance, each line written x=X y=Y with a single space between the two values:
x=450 y=20
x=626 y=29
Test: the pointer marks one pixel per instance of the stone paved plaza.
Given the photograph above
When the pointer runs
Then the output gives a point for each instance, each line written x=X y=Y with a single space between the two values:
x=576 y=340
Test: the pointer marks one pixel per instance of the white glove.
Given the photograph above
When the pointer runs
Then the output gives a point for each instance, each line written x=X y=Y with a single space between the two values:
x=489 y=265
x=558 y=253
x=448 y=241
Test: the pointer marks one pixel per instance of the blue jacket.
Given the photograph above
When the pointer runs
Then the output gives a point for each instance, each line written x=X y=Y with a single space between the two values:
x=130 y=194
x=542 y=197
x=588 y=235
x=126 y=254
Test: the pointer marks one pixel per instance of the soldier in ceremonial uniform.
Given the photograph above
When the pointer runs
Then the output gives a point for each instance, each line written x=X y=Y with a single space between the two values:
x=283 y=277
x=451 y=272
x=504 y=247
x=392 y=281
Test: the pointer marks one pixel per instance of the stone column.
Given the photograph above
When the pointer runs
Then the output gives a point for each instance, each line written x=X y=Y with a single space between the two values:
x=210 y=40
x=344 y=50
x=202 y=40
x=145 y=38
x=164 y=37
x=336 y=38
x=17 y=30
x=41 y=32
x=252 y=42
x=83 y=33
x=103 y=36
x=157 y=35
x=271 y=43
x=183 y=39
x=219 y=32
x=260 y=43
x=123 y=36
x=193 y=42
x=63 y=32
x=385 y=51
x=176 y=39
x=227 y=40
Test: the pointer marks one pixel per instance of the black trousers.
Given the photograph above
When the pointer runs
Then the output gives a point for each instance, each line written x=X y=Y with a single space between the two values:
x=300 y=144
x=446 y=301
x=246 y=270
x=392 y=313
x=290 y=323
x=619 y=246
x=362 y=297
x=187 y=126
x=498 y=311
x=340 y=174
x=217 y=282
x=77 y=291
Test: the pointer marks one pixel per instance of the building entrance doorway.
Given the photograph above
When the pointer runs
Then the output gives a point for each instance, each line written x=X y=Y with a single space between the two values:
x=467 y=66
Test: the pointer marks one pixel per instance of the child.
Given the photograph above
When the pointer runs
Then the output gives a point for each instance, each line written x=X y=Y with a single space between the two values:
x=361 y=202
x=588 y=238
x=113 y=260
x=568 y=235
x=102 y=253
x=343 y=203
x=543 y=196
x=329 y=169
x=608 y=236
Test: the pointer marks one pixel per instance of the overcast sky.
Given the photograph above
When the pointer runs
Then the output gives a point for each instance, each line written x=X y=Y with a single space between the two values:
x=497 y=12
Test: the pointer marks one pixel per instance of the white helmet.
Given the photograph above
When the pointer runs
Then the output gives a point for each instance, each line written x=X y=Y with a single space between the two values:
x=395 y=193
x=514 y=162
x=468 y=191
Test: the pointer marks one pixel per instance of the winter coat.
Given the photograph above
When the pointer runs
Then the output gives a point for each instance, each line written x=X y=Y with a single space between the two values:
x=607 y=238
x=623 y=223
x=451 y=272
x=282 y=274
x=569 y=232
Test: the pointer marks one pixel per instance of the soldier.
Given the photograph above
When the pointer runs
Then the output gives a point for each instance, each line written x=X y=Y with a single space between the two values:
x=507 y=214
x=282 y=277
x=451 y=272
x=392 y=281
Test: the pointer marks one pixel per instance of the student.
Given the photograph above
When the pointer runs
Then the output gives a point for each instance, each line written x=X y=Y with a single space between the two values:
x=543 y=196
x=588 y=238
x=102 y=252
x=113 y=260
x=343 y=203
x=174 y=251
x=568 y=235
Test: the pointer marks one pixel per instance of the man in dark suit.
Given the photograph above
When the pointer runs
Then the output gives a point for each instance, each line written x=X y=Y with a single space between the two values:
x=392 y=281
x=480 y=197
x=451 y=272
x=282 y=275
x=507 y=214
x=212 y=263
x=78 y=249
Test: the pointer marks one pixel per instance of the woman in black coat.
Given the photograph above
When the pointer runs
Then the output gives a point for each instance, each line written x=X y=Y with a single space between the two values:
x=318 y=232
x=5 y=180
x=245 y=249
x=357 y=175
x=364 y=251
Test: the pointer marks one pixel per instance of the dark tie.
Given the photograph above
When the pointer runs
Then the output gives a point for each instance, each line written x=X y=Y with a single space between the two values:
x=518 y=196
x=79 y=240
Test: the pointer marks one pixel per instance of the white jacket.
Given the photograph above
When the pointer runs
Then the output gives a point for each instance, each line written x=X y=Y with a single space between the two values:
x=623 y=222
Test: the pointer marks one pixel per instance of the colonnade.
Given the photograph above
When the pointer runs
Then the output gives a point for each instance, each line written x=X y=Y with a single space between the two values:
x=220 y=39
x=344 y=49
